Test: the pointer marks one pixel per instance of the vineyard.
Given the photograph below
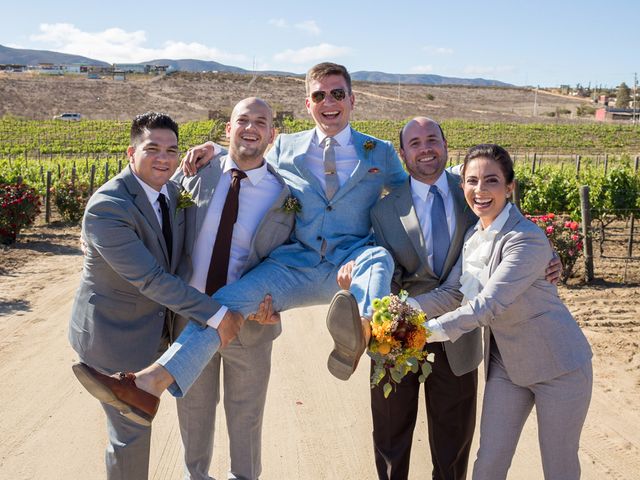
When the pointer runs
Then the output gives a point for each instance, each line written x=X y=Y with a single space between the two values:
x=552 y=162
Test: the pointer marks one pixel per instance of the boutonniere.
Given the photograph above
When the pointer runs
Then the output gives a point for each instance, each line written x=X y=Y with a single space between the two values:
x=185 y=200
x=369 y=145
x=292 y=205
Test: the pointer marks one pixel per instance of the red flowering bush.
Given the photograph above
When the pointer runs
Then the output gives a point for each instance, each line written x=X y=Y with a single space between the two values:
x=19 y=206
x=70 y=200
x=566 y=238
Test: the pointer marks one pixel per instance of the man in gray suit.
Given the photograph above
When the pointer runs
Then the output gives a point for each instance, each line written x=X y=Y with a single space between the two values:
x=133 y=234
x=262 y=224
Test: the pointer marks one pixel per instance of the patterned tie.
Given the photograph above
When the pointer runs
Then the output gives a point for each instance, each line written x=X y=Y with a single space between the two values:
x=219 y=266
x=166 y=223
x=330 y=174
x=439 y=231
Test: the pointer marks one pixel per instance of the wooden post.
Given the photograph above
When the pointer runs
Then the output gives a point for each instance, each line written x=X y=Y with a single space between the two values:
x=631 y=226
x=19 y=180
x=92 y=179
x=637 y=162
x=59 y=172
x=540 y=161
x=606 y=163
x=577 y=165
x=73 y=175
x=586 y=232
x=106 y=171
x=515 y=195
x=47 y=199
x=533 y=164
x=120 y=164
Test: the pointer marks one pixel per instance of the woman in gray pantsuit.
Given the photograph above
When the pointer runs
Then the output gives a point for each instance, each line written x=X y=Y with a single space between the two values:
x=535 y=353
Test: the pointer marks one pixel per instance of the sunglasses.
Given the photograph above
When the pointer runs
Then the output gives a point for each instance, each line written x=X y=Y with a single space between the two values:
x=338 y=94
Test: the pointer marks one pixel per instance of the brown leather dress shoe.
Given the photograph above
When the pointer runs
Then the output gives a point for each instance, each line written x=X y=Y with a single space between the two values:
x=349 y=342
x=120 y=392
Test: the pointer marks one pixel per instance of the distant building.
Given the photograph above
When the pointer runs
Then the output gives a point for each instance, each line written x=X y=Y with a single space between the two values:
x=612 y=114
x=131 y=67
x=49 y=69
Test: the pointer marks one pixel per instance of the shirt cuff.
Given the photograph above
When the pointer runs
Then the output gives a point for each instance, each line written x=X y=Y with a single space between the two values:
x=413 y=303
x=437 y=331
x=214 y=322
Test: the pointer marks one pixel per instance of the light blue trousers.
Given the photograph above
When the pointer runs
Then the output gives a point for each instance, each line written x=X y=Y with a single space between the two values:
x=290 y=287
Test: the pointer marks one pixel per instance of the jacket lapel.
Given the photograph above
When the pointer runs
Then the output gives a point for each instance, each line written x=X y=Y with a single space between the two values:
x=459 y=207
x=207 y=179
x=362 y=167
x=303 y=142
x=514 y=218
x=407 y=214
x=141 y=201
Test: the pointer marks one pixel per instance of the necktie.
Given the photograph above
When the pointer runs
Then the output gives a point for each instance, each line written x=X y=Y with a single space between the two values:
x=166 y=223
x=439 y=231
x=332 y=184
x=219 y=266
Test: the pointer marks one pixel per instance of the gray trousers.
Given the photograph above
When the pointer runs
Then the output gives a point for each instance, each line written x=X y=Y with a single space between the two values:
x=245 y=373
x=127 y=454
x=561 y=407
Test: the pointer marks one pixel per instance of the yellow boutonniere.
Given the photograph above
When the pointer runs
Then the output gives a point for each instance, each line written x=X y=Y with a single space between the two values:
x=292 y=205
x=369 y=145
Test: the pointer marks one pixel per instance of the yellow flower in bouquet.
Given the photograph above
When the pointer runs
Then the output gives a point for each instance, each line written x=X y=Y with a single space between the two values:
x=398 y=337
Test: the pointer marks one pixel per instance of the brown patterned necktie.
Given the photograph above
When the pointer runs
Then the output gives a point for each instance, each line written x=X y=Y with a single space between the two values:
x=219 y=265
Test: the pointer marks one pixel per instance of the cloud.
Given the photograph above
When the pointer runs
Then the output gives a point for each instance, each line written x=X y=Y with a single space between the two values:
x=438 y=50
x=278 y=22
x=312 y=54
x=309 y=26
x=116 y=45
x=488 y=70
x=422 y=69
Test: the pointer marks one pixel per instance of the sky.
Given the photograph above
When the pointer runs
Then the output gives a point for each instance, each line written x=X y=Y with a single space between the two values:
x=545 y=43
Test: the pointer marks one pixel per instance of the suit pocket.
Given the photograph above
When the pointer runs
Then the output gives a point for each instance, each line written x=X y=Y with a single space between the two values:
x=115 y=304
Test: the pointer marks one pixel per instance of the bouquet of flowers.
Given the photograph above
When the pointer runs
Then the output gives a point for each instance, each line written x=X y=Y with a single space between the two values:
x=398 y=337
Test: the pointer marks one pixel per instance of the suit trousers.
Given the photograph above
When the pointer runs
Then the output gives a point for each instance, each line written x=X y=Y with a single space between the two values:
x=127 y=454
x=561 y=407
x=245 y=373
x=451 y=415
x=290 y=287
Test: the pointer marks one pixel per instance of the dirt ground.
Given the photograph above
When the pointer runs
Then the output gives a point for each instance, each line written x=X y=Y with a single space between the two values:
x=189 y=96
x=316 y=427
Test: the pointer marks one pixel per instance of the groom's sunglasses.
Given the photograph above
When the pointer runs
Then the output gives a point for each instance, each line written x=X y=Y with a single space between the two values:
x=338 y=93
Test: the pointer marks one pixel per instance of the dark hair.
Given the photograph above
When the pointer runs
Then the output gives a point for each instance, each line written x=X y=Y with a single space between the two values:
x=444 y=139
x=493 y=152
x=322 y=70
x=150 y=121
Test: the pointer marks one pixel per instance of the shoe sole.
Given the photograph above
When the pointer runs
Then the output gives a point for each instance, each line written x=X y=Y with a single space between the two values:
x=345 y=327
x=105 y=395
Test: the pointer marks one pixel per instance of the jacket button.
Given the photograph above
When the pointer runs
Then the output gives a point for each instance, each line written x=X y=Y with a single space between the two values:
x=318 y=238
x=161 y=314
x=329 y=208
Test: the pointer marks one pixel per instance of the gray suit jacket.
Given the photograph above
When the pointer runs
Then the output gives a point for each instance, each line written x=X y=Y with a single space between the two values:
x=397 y=228
x=119 y=310
x=274 y=229
x=537 y=337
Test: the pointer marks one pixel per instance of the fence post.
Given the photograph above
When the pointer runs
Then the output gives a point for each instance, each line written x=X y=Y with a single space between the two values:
x=577 y=165
x=637 y=162
x=47 y=199
x=120 y=165
x=92 y=179
x=586 y=233
x=515 y=195
x=19 y=180
x=73 y=176
x=606 y=163
x=533 y=164
x=630 y=245
x=106 y=171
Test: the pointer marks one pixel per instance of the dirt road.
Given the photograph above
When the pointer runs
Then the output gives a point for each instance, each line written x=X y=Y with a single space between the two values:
x=316 y=427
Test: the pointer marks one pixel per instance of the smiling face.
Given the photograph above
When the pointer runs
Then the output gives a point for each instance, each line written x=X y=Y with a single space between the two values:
x=154 y=156
x=331 y=115
x=250 y=132
x=485 y=188
x=424 y=151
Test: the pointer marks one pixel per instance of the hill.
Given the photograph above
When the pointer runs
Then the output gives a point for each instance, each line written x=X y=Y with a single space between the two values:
x=17 y=56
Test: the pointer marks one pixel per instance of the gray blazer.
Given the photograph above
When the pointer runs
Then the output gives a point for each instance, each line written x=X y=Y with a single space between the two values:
x=273 y=230
x=119 y=310
x=397 y=229
x=537 y=337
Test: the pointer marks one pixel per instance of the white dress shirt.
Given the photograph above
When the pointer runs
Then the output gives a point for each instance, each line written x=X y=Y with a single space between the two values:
x=346 y=155
x=422 y=202
x=153 y=195
x=258 y=192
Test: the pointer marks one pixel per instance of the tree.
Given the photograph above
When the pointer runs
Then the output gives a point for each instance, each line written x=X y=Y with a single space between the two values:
x=623 y=96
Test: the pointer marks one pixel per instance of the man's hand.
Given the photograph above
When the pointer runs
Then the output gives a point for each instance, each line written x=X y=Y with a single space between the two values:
x=344 y=275
x=554 y=269
x=229 y=327
x=197 y=157
x=265 y=314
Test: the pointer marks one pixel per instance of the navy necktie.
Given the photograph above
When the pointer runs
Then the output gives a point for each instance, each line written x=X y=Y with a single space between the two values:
x=439 y=231
x=166 y=223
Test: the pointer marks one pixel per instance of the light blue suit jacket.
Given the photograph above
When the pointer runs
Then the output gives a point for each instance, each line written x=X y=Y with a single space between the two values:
x=342 y=222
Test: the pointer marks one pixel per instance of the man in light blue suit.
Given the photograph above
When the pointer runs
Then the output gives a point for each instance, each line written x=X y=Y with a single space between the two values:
x=335 y=175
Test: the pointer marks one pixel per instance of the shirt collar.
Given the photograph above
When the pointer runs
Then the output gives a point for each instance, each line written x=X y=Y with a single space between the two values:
x=498 y=222
x=343 y=137
x=254 y=175
x=421 y=189
x=152 y=193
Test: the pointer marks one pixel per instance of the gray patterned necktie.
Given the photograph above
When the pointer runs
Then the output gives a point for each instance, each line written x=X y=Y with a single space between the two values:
x=332 y=184
x=439 y=231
